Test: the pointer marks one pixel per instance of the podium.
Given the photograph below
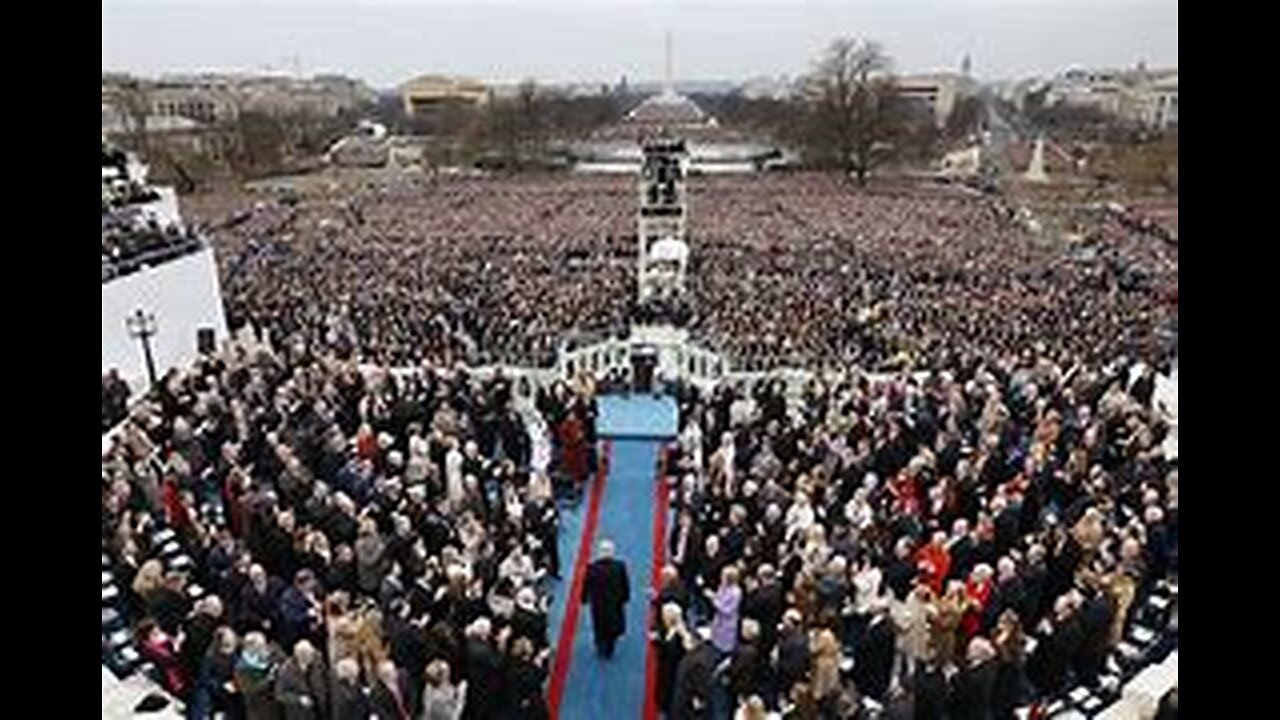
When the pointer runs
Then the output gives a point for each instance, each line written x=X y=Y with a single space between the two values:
x=644 y=363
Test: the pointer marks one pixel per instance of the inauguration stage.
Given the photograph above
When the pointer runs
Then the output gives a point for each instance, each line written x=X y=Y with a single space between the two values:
x=637 y=415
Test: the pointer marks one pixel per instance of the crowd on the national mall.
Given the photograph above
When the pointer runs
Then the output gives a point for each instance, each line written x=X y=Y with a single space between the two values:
x=787 y=270
x=354 y=543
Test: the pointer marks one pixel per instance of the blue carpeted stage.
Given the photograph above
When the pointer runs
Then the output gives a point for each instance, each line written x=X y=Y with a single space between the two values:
x=623 y=505
x=637 y=416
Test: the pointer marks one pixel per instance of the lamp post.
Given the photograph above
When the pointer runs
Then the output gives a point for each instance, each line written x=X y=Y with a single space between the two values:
x=141 y=326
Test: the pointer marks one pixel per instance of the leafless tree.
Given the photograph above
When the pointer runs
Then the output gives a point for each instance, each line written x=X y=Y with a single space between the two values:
x=849 y=93
x=133 y=102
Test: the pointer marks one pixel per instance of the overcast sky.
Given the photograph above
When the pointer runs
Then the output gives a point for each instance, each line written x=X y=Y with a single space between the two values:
x=386 y=42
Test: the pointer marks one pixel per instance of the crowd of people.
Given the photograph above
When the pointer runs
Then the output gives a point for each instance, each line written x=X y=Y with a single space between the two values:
x=128 y=240
x=955 y=544
x=351 y=546
x=130 y=234
x=786 y=270
x=483 y=270
x=970 y=542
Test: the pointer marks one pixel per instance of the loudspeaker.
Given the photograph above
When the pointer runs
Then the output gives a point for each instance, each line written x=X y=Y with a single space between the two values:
x=205 y=342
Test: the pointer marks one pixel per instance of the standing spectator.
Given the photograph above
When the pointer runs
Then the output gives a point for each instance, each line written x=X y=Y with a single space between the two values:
x=115 y=396
x=441 y=699
x=825 y=685
x=573 y=444
x=255 y=678
x=483 y=673
x=349 y=699
x=198 y=635
x=216 y=691
x=392 y=694
x=671 y=640
x=911 y=620
x=727 y=603
x=526 y=677
x=155 y=646
x=874 y=654
x=747 y=671
x=301 y=686
x=793 y=651
x=764 y=603
x=695 y=681
x=973 y=685
x=1011 y=679
x=370 y=557
x=300 y=610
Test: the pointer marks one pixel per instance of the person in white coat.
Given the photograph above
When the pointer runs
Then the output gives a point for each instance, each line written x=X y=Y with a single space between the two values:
x=455 y=491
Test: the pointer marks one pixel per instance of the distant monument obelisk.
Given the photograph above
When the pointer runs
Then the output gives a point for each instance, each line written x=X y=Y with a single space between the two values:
x=1035 y=172
x=669 y=76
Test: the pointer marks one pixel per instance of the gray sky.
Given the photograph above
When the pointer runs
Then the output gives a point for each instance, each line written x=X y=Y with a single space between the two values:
x=386 y=42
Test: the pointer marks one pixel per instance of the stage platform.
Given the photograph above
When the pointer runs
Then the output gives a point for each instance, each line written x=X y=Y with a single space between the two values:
x=637 y=416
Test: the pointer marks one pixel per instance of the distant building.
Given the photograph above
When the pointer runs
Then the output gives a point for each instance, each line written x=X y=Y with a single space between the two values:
x=1101 y=90
x=670 y=110
x=428 y=93
x=1161 y=108
x=202 y=102
x=218 y=98
x=767 y=88
x=936 y=93
x=1142 y=96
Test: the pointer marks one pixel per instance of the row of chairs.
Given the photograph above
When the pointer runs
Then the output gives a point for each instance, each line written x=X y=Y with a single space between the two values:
x=1150 y=637
x=118 y=650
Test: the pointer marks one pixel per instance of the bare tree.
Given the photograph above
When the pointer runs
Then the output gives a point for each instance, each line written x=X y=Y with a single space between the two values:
x=133 y=102
x=531 y=115
x=849 y=91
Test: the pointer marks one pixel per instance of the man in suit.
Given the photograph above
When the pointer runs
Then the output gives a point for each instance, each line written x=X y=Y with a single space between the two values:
x=972 y=687
x=482 y=669
x=930 y=692
x=685 y=546
x=873 y=656
x=301 y=687
x=695 y=680
x=391 y=695
x=607 y=591
x=764 y=602
x=349 y=699
x=792 y=651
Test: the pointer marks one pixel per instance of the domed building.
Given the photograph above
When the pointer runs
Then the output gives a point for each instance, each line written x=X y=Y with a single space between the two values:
x=670 y=109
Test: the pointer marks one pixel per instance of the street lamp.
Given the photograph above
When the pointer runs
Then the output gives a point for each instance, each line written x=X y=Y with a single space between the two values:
x=141 y=326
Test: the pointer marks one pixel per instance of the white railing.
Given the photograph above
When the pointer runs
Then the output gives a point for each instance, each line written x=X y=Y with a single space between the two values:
x=677 y=359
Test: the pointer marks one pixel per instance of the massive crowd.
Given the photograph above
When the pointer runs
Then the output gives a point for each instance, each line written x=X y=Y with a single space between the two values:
x=953 y=545
x=795 y=270
x=341 y=546
x=482 y=270
x=970 y=542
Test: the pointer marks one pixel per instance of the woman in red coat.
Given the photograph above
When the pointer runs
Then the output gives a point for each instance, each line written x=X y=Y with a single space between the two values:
x=573 y=441
x=934 y=561
x=176 y=512
x=977 y=590
x=157 y=648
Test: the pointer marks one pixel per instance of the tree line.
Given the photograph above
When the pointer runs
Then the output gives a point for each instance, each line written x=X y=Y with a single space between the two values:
x=845 y=115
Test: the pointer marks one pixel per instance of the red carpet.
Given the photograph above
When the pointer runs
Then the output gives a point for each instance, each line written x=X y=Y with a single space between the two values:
x=660 y=501
x=573 y=603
